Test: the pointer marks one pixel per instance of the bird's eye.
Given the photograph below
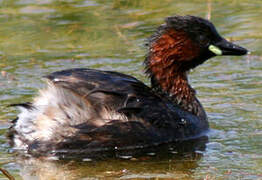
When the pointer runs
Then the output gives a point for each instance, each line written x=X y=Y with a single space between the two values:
x=201 y=37
x=203 y=40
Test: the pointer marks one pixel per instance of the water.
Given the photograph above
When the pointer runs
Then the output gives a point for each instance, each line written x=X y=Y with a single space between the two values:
x=39 y=37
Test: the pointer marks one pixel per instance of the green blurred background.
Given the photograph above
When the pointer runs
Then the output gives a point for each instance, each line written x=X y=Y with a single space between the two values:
x=41 y=36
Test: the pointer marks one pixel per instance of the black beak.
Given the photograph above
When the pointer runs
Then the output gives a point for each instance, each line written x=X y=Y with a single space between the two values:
x=229 y=48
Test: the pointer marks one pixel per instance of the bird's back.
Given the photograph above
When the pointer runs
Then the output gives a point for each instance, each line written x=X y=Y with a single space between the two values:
x=86 y=109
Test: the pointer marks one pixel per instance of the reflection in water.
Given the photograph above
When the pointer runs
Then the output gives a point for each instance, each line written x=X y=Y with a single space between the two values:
x=166 y=161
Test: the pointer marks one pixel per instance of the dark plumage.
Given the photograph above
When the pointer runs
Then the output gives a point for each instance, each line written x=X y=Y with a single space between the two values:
x=86 y=109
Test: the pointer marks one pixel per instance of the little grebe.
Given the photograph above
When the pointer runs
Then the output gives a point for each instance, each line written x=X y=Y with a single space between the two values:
x=88 y=109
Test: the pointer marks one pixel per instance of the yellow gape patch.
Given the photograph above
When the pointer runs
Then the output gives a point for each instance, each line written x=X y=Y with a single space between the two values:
x=215 y=50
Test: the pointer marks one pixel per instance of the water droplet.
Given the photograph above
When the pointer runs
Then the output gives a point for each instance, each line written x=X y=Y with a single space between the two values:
x=170 y=149
x=199 y=152
x=151 y=154
x=174 y=152
x=86 y=159
x=125 y=157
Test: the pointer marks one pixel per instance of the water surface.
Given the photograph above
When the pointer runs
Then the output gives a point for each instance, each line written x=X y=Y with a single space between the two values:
x=39 y=37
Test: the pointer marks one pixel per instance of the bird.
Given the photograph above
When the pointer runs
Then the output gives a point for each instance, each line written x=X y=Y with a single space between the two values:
x=82 y=109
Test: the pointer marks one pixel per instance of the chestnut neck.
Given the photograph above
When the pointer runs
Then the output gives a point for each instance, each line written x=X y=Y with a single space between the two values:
x=167 y=64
